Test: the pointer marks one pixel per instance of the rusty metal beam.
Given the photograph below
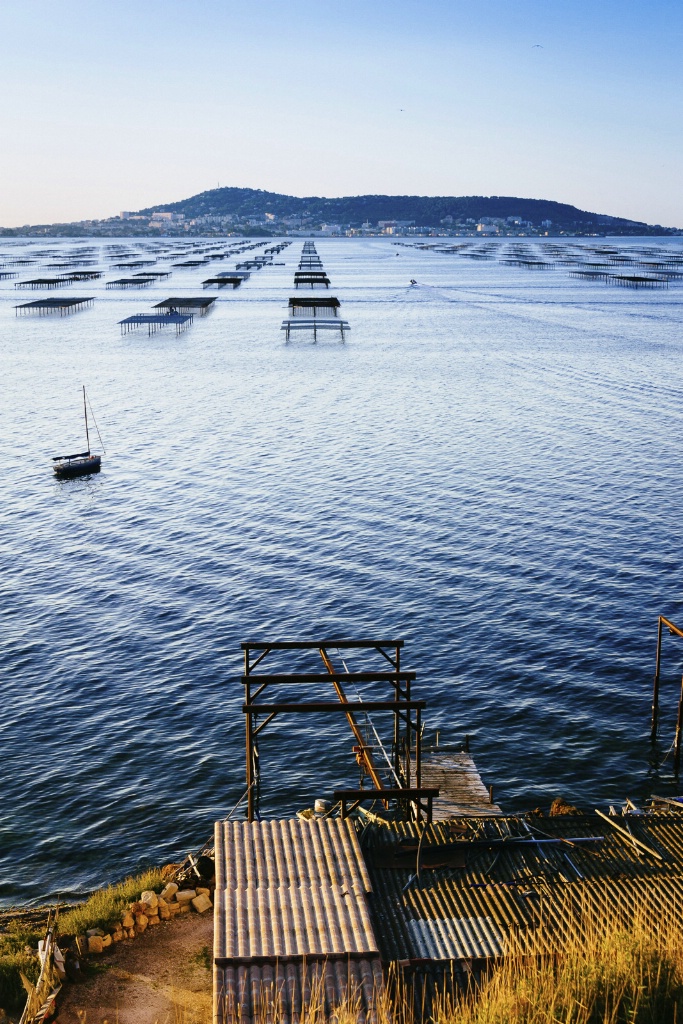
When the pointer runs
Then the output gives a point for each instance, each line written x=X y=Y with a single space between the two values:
x=263 y=724
x=674 y=630
x=325 y=706
x=364 y=756
x=314 y=645
x=392 y=794
x=299 y=678
x=359 y=796
x=259 y=659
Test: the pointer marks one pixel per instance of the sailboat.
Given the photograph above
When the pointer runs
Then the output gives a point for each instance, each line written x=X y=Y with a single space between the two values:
x=81 y=462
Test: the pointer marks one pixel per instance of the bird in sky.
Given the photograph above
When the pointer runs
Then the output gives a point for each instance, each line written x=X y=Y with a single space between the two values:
x=538 y=46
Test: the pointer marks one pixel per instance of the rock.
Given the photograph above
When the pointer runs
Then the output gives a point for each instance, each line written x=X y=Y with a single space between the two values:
x=94 y=931
x=128 y=921
x=154 y=919
x=138 y=907
x=130 y=933
x=141 y=922
x=173 y=909
x=150 y=898
x=106 y=941
x=95 y=944
x=201 y=903
x=117 y=936
x=560 y=806
x=165 y=912
x=184 y=908
x=185 y=895
x=200 y=890
x=169 y=891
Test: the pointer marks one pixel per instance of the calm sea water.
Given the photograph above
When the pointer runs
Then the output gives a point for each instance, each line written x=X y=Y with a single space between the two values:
x=490 y=468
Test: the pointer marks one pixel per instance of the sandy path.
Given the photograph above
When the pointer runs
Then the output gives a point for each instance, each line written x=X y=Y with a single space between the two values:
x=157 y=979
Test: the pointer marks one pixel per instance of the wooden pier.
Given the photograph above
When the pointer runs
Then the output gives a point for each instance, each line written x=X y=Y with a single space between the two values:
x=461 y=790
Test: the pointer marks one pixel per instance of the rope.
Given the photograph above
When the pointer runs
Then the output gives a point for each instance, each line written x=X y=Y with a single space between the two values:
x=95 y=422
x=372 y=726
x=241 y=799
x=666 y=756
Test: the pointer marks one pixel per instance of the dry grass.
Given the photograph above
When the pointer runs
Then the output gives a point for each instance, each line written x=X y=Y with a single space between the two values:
x=106 y=906
x=602 y=970
x=606 y=972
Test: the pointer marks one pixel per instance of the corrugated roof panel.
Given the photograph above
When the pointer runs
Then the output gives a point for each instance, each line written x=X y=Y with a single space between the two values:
x=257 y=993
x=538 y=889
x=290 y=888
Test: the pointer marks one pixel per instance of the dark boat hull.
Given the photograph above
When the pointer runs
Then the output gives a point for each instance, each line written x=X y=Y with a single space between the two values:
x=78 y=467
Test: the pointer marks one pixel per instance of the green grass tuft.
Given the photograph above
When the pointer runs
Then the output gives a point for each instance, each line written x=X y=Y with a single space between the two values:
x=14 y=959
x=106 y=906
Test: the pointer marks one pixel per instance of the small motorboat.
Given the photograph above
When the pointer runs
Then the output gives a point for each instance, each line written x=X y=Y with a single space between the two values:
x=412 y=280
x=82 y=462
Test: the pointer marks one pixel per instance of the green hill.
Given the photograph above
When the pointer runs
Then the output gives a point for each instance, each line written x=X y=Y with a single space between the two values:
x=244 y=204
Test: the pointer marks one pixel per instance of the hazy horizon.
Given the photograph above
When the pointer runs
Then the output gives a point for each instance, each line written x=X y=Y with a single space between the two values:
x=126 y=106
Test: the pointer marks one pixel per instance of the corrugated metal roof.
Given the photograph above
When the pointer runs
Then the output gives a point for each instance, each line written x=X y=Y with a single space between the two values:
x=292 y=928
x=293 y=934
x=296 y=990
x=476 y=898
x=290 y=888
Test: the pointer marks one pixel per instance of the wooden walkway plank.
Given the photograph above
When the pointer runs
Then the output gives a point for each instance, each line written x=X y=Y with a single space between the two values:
x=461 y=791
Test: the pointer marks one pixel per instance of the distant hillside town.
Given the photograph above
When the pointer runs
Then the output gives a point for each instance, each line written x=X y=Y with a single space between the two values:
x=245 y=211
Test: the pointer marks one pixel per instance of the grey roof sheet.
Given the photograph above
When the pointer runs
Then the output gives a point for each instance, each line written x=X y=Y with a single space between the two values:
x=290 y=888
x=296 y=991
x=468 y=909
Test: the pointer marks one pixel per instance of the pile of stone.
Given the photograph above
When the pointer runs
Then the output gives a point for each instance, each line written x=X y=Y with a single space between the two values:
x=148 y=911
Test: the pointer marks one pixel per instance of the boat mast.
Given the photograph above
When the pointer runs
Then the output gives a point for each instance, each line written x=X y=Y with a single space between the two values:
x=85 y=413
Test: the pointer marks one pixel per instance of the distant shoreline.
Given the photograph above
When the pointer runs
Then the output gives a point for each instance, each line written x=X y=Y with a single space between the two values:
x=59 y=232
x=249 y=211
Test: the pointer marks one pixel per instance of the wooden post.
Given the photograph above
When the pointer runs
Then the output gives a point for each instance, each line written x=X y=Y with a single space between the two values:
x=679 y=731
x=655 y=688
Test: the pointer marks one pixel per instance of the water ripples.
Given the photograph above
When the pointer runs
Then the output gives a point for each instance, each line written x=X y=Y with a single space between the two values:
x=488 y=468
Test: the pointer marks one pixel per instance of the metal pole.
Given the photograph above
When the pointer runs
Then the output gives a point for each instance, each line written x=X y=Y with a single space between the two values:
x=655 y=688
x=397 y=720
x=408 y=735
x=418 y=749
x=679 y=731
x=249 y=743
x=85 y=413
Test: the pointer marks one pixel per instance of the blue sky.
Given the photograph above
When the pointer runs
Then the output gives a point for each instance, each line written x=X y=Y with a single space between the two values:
x=114 y=104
